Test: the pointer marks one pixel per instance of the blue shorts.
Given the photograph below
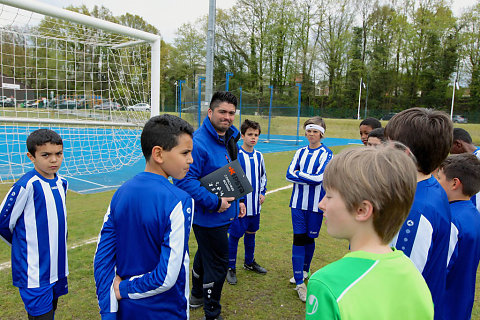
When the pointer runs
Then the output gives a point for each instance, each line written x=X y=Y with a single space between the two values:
x=39 y=301
x=306 y=221
x=241 y=225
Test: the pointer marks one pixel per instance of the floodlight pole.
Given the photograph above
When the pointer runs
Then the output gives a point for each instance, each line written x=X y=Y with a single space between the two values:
x=180 y=97
x=200 y=99
x=299 y=85
x=227 y=76
x=176 y=96
x=366 y=100
x=359 y=96
x=210 y=51
x=270 y=112
x=455 y=83
x=240 y=107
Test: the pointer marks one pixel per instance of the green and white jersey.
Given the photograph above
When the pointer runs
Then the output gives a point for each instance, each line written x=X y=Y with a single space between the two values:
x=365 y=285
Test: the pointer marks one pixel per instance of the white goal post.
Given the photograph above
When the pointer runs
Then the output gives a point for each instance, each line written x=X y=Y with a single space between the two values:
x=93 y=81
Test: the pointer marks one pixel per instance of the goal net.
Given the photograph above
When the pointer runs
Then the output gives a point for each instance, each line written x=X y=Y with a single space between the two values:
x=88 y=79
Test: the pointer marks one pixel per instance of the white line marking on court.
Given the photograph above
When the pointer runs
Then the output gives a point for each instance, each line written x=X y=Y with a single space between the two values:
x=280 y=189
x=98 y=184
x=95 y=189
x=6 y=265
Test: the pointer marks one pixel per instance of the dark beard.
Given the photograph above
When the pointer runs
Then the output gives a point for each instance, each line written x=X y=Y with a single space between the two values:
x=219 y=129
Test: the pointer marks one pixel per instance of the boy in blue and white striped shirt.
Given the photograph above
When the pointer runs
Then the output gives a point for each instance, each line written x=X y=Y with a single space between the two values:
x=33 y=221
x=306 y=173
x=253 y=164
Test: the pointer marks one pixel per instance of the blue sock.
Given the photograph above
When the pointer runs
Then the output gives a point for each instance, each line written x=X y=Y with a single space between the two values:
x=309 y=250
x=298 y=256
x=232 y=251
x=249 y=242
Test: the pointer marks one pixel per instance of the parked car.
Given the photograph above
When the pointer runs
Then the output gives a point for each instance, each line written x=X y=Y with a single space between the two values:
x=191 y=109
x=388 y=116
x=7 y=102
x=139 y=107
x=40 y=103
x=65 y=104
x=108 y=105
x=459 y=119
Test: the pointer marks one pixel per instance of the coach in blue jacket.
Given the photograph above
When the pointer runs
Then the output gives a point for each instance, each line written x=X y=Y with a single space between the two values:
x=214 y=145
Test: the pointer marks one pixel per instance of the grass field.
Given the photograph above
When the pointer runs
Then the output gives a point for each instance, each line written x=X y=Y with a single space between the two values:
x=255 y=297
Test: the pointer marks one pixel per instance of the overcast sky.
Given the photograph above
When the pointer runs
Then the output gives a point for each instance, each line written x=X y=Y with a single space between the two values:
x=168 y=15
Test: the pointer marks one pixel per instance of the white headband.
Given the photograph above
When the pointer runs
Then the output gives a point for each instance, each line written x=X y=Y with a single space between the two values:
x=316 y=127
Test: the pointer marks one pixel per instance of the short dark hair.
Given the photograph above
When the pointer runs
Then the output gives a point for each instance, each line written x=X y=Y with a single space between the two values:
x=462 y=134
x=377 y=133
x=40 y=137
x=163 y=131
x=250 y=124
x=371 y=122
x=222 y=96
x=466 y=168
x=427 y=133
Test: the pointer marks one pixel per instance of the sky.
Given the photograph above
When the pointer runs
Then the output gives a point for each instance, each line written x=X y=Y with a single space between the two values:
x=169 y=15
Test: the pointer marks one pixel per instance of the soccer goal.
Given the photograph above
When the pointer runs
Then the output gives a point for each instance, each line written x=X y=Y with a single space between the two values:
x=93 y=81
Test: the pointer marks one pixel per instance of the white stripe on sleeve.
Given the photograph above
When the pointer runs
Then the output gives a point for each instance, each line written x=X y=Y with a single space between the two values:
x=422 y=243
x=177 y=243
x=453 y=241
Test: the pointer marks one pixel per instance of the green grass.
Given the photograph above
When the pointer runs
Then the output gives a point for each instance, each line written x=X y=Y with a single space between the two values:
x=267 y=296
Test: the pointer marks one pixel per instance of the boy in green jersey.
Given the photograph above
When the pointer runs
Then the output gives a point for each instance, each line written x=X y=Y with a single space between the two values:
x=369 y=192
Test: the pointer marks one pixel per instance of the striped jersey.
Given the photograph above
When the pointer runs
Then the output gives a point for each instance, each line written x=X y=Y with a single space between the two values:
x=425 y=235
x=477 y=152
x=144 y=240
x=366 y=286
x=463 y=259
x=306 y=173
x=476 y=198
x=254 y=166
x=33 y=221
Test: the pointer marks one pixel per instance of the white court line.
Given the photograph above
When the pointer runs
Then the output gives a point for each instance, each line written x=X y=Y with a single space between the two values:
x=95 y=189
x=83 y=180
x=6 y=265
x=280 y=189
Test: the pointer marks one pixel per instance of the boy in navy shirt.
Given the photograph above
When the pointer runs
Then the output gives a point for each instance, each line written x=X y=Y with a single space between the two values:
x=462 y=142
x=33 y=221
x=459 y=175
x=306 y=173
x=253 y=164
x=366 y=126
x=424 y=237
x=141 y=263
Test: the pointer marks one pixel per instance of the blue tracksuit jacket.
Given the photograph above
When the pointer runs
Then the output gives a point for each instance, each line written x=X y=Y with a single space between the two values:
x=209 y=153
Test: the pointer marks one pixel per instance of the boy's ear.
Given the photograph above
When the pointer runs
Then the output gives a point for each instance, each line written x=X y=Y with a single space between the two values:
x=364 y=211
x=31 y=157
x=157 y=154
x=456 y=184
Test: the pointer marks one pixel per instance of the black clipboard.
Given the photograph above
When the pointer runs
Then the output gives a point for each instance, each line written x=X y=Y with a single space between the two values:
x=228 y=181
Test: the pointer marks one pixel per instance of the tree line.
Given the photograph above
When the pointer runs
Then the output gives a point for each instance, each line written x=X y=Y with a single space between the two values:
x=408 y=53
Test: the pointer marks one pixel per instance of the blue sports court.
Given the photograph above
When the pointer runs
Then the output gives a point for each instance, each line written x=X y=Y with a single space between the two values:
x=110 y=170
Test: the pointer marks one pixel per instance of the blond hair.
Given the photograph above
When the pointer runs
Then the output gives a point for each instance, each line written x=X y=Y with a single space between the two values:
x=315 y=120
x=384 y=176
